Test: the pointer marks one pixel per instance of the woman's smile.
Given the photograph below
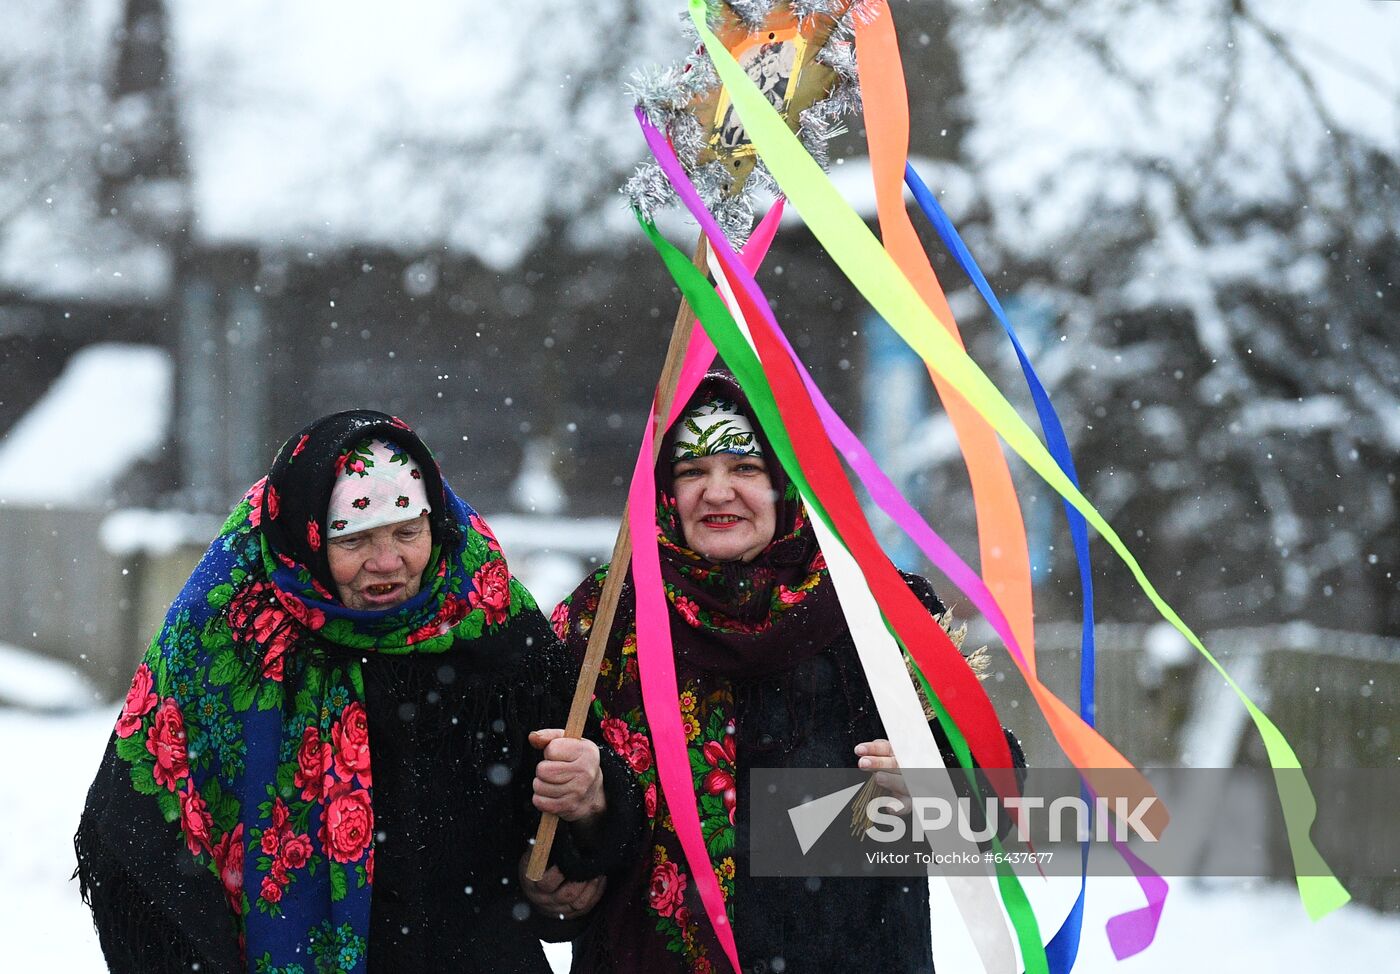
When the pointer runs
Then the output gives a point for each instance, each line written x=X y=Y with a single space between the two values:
x=726 y=505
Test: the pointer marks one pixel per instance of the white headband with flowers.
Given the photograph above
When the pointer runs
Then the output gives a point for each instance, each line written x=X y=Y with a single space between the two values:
x=716 y=426
x=376 y=483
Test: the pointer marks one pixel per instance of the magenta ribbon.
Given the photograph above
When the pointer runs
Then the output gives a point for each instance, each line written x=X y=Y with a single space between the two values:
x=656 y=663
x=1128 y=933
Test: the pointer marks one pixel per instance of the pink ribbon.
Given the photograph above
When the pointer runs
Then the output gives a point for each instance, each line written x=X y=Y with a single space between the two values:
x=656 y=663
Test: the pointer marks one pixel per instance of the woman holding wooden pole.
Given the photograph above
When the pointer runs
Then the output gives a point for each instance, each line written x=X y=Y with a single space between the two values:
x=768 y=677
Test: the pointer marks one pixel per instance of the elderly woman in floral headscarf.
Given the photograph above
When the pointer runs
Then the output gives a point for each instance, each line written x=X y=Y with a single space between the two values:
x=768 y=677
x=332 y=755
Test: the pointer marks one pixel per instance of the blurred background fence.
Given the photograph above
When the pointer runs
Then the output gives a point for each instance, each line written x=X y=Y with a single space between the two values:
x=1333 y=694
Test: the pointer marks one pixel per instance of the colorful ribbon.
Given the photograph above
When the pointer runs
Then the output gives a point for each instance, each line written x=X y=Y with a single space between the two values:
x=903 y=718
x=1001 y=532
x=997 y=510
x=874 y=479
x=825 y=468
x=1064 y=946
x=959 y=688
x=1091 y=751
x=832 y=422
x=988 y=932
x=655 y=659
x=865 y=262
x=657 y=668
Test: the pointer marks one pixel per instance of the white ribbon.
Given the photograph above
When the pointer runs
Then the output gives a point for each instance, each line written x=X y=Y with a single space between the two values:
x=984 y=939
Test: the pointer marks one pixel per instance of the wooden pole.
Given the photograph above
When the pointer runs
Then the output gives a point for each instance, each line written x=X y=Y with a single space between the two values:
x=617 y=568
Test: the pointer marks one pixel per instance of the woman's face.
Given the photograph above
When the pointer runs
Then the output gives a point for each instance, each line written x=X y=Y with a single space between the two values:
x=726 y=505
x=382 y=567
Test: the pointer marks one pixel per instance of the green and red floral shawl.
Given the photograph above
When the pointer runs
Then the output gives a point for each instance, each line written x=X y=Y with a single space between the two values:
x=245 y=722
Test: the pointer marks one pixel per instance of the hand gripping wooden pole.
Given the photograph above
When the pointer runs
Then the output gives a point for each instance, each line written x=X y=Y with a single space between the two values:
x=617 y=569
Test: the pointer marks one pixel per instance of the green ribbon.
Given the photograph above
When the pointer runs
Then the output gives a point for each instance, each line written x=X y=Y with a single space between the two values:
x=719 y=324
x=864 y=261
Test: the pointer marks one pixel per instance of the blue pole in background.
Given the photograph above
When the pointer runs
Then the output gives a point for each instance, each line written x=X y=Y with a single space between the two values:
x=894 y=398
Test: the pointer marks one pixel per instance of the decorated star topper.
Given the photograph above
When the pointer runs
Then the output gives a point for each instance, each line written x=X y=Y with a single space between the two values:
x=800 y=55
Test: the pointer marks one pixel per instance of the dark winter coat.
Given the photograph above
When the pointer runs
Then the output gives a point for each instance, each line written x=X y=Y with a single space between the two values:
x=452 y=794
x=810 y=716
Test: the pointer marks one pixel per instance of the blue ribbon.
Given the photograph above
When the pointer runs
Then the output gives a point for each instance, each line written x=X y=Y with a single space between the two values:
x=1063 y=948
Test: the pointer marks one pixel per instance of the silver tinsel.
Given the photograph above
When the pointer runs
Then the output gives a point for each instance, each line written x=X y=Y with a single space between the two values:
x=805 y=10
x=700 y=76
x=812 y=131
x=762 y=180
x=688 y=31
x=659 y=92
x=648 y=190
x=712 y=181
x=735 y=217
x=734 y=214
x=817 y=126
x=687 y=137
x=666 y=95
x=751 y=13
x=844 y=99
x=845 y=30
x=864 y=11
x=840 y=56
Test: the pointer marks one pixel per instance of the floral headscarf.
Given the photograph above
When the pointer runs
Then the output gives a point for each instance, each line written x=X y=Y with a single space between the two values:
x=245 y=722
x=378 y=484
x=714 y=426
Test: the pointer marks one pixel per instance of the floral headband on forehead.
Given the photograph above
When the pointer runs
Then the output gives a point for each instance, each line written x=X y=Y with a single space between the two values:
x=376 y=483
x=715 y=426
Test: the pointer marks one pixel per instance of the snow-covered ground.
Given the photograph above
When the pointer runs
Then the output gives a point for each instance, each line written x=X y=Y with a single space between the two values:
x=38 y=683
x=44 y=926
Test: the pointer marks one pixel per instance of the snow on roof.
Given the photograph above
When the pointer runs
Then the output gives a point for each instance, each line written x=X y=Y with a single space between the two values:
x=110 y=408
x=466 y=126
x=137 y=531
x=53 y=252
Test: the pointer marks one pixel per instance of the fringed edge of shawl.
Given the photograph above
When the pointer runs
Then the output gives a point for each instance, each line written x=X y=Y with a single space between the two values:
x=136 y=935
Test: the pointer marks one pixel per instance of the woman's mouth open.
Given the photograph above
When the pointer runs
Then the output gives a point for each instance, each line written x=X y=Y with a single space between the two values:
x=721 y=522
x=383 y=591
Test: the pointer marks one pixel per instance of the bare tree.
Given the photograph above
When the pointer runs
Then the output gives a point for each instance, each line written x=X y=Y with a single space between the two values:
x=50 y=109
x=1219 y=254
x=91 y=176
